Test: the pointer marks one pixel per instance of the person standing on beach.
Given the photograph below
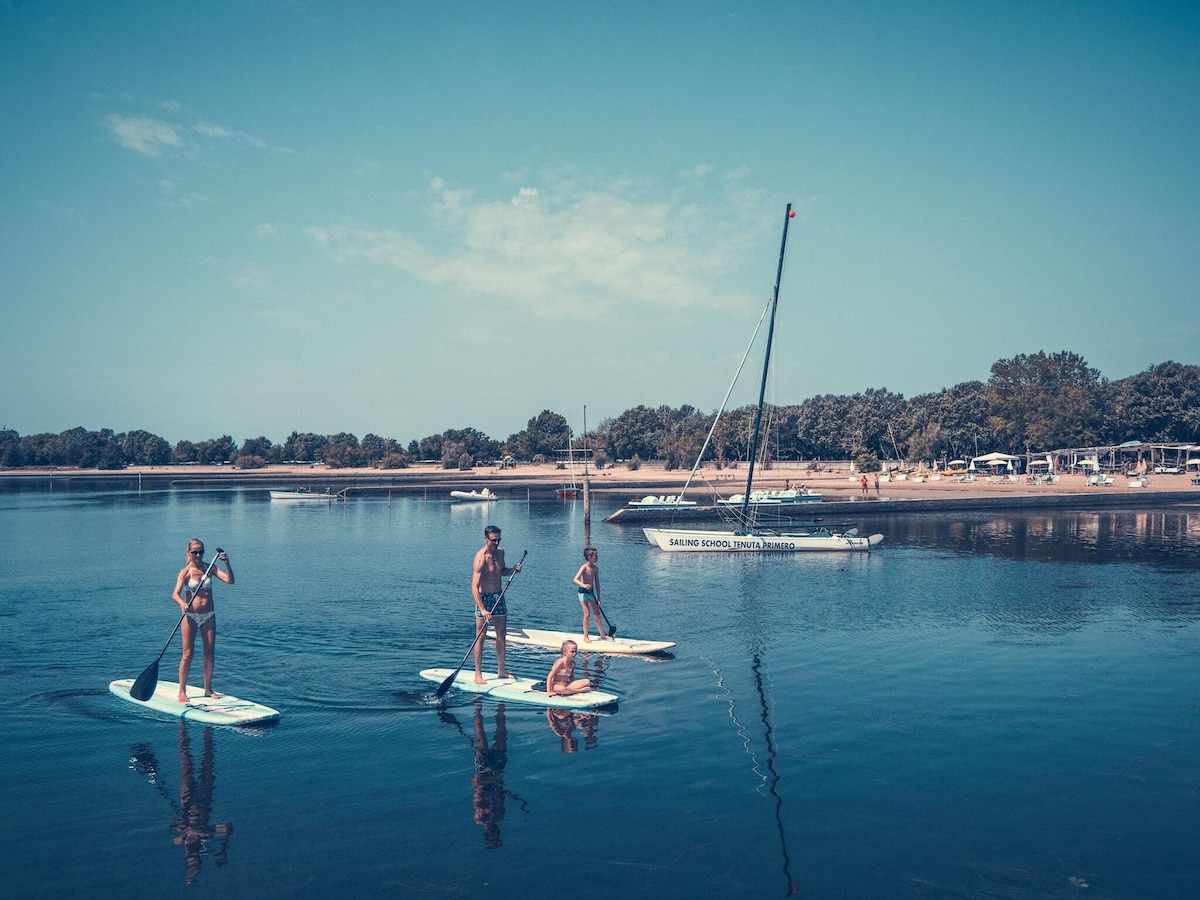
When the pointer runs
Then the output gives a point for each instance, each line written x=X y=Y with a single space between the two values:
x=193 y=593
x=587 y=579
x=865 y=491
x=490 y=607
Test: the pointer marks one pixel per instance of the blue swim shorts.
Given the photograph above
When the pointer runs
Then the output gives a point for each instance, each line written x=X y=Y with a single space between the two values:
x=489 y=600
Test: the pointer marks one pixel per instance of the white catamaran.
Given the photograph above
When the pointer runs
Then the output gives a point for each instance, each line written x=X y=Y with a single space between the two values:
x=748 y=535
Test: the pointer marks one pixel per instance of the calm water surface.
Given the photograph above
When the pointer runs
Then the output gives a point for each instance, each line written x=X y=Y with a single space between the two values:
x=990 y=706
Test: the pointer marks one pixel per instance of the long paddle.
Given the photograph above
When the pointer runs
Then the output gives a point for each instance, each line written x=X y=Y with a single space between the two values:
x=445 y=685
x=143 y=688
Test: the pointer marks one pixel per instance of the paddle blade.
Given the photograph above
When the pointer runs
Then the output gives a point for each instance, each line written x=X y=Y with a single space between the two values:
x=445 y=685
x=143 y=688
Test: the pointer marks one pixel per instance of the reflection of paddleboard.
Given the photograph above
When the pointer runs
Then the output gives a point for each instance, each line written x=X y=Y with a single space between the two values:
x=226 y=710
x=521 y=690
x=554 y=640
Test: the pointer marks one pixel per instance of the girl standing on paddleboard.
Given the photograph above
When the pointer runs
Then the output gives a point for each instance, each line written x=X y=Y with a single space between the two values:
x=193 y=593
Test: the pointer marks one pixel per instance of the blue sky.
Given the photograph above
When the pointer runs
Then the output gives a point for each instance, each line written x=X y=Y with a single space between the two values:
x=248 y=218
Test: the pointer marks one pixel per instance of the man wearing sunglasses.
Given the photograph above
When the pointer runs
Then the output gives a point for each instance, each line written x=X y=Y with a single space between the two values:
x=490 y=607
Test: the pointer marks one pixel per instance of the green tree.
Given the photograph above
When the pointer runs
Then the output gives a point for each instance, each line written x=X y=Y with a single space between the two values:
x=141 y=448
x=637 y=432
x=1161 y=404
x=260 y=447
x=183 y=452
x=545 y=434
x=306 y=447
x=952 y=423
x=1041 y=401
x=217 y=451
x=475 y=443
x=430 y=447
x=819 y=430
x=10 y=449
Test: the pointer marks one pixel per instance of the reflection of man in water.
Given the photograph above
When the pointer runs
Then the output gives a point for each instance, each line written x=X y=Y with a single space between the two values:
x=487 y=784
x=194 y=807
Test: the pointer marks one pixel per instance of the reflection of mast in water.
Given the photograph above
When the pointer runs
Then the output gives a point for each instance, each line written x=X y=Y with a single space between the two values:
x=773 y=782
x=770 y=779
x=194 y=807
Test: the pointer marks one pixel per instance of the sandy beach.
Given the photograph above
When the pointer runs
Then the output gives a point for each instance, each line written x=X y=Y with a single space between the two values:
x=621 y=481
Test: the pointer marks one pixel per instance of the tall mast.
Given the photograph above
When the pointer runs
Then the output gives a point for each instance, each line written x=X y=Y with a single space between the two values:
x=762 y=389
x=587 y=509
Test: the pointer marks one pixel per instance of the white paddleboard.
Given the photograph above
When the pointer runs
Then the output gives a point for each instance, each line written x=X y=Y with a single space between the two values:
x=226 y=710
x=554 y=640
x=520 y=690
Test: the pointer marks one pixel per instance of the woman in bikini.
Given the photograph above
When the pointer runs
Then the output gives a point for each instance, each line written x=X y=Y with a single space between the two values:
x=200 y=614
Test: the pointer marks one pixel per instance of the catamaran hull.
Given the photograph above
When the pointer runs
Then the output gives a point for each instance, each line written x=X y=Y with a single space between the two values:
x=676 y=540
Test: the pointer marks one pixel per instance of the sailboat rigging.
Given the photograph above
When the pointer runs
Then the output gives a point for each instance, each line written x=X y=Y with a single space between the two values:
x=569 y=491
x=749 y=535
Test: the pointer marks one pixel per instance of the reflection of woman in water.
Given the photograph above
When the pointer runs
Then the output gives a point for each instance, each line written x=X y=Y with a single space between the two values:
x=487 y=784
x=194 y=807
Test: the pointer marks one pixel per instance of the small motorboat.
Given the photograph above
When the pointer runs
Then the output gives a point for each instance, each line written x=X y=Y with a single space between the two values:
x=306 y=494
x=483 y=496
x=661 y=502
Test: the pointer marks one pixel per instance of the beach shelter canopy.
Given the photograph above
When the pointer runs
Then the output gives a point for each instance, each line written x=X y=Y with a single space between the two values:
x=993 y=459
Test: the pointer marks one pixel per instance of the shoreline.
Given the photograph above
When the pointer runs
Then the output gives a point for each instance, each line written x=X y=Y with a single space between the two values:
x=839 y=489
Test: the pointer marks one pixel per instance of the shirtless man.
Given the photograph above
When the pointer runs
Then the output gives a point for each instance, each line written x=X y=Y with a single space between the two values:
x=485 y=589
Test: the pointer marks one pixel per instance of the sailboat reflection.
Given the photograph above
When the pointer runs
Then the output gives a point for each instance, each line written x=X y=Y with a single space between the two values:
x=193 y=810
x=487 y=781
x=767 y=716
x=770 y=778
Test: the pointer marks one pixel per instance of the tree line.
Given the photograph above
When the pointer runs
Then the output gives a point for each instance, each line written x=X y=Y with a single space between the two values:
x=1031 y=402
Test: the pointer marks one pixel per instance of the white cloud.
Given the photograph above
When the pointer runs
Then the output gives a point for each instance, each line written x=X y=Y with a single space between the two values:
x=143 y=135
x=570 y=249
x=265 y=230
x=208 y=129
x=250 y=277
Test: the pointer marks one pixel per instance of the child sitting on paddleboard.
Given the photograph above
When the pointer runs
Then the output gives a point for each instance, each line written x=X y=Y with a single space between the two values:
x=588 y=581
x=562 y=680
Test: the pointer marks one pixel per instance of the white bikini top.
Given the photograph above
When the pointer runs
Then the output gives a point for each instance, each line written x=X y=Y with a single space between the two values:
x=196 y=586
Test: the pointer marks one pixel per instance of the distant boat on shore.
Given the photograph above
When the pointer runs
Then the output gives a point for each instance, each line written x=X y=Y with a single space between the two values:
x=483 y=496
x=773 y=497
x=306 y=494
x=650 y=501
